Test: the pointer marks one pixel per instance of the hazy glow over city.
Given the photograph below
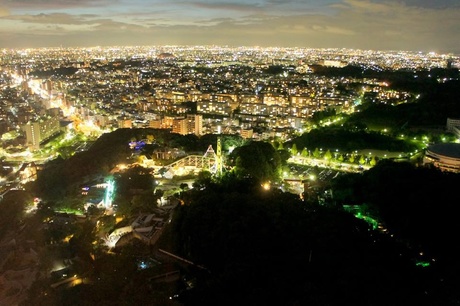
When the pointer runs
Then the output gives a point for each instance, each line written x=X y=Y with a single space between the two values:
x=363 y=24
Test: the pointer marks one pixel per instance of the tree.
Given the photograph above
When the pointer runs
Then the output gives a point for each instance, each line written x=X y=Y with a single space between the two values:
x=373 y=162
x=349 y=140
x=328 y=155
x=258 y=160
x=316 y=153
x=362 y=160
x=352 y=158
x=294 y=150
x=284 y=156
x=135 y=178
x=304 y=152
x=231 y=141
x=150 y=138
x=145 y=202
x=12 y=205
x=238 y=233
x=141 y=159
x=81 y=242
x=203 y=178
x=323 y=115
x=93 y=210
x=66 y=151
x=183 y=186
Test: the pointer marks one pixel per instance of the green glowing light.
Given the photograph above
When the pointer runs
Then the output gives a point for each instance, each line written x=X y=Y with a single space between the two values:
x=358 y=212
x=422 y=264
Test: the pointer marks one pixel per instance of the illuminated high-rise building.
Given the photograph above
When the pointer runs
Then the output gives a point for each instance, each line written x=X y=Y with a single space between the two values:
x=41 y=130
x=247 y=133
x=195 y=124
x=179 y=126
x=453 y=126
x=192 y=124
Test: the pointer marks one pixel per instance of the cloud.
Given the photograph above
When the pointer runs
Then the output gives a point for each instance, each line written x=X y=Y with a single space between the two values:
x=333 y=30
x=363 y=24
x=214 y=21
x=235 y=6
x=4 y=11
x=57 y=4
x=107 y=25
x=435 y=4
x=56 y=18
x=416 y=27
x=365 y=6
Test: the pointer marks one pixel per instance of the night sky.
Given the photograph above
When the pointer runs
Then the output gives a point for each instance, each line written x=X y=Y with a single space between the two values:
x=417 y=25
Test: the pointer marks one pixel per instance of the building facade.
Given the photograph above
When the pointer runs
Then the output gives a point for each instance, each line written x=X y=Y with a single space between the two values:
x=445 y=156
x=453 y=126
x=41 y=130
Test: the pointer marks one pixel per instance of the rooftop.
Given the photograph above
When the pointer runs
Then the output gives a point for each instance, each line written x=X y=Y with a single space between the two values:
x=446 y=149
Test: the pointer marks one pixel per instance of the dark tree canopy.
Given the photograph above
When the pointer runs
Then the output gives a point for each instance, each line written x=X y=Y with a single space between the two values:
x=416 y=203
x=12 y=209
x=134 y=191
x=257 y=159
x=268 y=248
x=437 y=103
x=62 y=177
x=349 y=140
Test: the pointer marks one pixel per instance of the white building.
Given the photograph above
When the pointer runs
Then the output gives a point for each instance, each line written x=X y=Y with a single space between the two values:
x=39 y=131
x=453 y=126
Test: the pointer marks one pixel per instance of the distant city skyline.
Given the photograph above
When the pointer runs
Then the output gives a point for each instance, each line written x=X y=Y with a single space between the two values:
x=413 y=25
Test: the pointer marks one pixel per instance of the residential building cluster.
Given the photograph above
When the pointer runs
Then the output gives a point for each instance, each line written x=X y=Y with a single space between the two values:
x=256 y=92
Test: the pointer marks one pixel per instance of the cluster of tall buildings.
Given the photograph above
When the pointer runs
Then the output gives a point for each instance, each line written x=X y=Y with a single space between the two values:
x=256 y=92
